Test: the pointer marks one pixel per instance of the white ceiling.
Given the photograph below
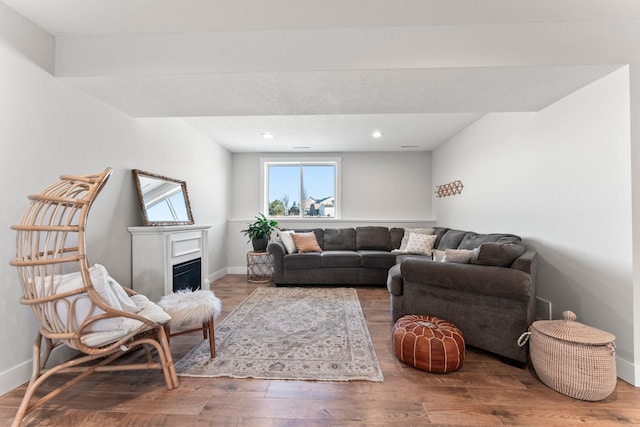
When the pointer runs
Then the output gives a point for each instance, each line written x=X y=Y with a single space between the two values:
x=316 y=74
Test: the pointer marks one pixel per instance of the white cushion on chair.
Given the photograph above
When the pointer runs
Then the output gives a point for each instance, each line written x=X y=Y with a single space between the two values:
x=147 y=309
x=110 y=292
x=150 y=310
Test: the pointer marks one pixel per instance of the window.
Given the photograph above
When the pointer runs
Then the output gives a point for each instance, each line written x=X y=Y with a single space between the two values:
x=301 y=189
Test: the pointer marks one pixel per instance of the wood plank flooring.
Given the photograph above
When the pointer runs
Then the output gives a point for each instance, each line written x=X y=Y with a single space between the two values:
x=483 y=392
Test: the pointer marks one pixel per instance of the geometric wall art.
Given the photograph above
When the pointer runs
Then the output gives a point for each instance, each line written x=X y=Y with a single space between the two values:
x=450 y=189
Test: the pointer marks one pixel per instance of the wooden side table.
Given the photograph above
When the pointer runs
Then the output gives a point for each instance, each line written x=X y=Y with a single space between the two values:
x=259 y=267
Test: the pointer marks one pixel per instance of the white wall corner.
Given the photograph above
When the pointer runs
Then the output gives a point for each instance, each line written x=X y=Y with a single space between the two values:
x=626 y=371
x=33 y=43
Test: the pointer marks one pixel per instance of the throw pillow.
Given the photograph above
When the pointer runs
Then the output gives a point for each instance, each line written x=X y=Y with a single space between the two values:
x=420 y=243
x=81 y=303
x=110 y=291
x=499 y=254
x=460 y=256
x=408 y=231
x=437 y=255
x=306 y=242
x=287 y=241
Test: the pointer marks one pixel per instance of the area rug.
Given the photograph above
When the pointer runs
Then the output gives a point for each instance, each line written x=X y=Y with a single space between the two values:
x=290 y=334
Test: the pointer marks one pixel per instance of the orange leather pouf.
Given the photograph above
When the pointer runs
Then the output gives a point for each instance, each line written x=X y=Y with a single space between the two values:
x=428 y=343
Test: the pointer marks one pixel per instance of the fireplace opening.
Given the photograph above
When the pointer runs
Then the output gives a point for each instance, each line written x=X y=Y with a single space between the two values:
x=187 y=275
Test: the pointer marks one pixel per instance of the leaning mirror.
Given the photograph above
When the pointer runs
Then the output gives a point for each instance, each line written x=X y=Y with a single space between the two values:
x=164 y=201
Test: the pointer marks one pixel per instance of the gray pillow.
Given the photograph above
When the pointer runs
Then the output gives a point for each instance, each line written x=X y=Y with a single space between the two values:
x=499 y=254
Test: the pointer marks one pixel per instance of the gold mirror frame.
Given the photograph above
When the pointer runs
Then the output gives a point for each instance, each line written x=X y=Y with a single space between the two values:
x=163 y=200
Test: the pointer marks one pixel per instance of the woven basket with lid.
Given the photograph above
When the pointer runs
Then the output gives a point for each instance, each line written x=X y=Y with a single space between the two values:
x=572 y=358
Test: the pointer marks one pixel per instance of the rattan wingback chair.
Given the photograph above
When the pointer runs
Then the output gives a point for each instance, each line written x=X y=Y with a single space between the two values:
x=51 y=252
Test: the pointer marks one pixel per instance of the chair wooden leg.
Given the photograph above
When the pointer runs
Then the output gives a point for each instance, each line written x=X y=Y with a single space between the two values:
x=170 y=375
x=32 y=387
x=212 y=337
x=167 y=332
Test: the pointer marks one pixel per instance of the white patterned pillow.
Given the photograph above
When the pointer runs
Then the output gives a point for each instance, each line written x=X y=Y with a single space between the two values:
x=407 y=233
x=420 y=243
x=288 y=242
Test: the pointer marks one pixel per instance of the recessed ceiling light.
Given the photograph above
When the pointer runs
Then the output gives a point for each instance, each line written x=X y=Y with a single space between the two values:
x=377 y=134
x=267 y=135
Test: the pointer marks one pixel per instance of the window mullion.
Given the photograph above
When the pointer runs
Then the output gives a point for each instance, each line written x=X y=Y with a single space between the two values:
x=302 y=200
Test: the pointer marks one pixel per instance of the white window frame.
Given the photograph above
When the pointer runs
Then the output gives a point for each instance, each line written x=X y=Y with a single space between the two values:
x=333 y=161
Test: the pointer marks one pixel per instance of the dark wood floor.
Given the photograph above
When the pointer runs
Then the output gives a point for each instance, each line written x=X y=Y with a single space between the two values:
x=483 y=392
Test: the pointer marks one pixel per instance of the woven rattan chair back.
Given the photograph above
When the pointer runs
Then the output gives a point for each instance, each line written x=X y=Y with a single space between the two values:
x=50 y=242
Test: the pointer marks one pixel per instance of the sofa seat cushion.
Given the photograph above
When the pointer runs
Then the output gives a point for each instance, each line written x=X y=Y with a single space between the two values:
x=394 y=280
x=402 y=257
x=299 y=261
x=330 y=259
x=377 y=259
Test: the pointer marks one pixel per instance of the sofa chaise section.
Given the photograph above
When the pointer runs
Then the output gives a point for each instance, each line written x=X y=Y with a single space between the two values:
x=491 y=302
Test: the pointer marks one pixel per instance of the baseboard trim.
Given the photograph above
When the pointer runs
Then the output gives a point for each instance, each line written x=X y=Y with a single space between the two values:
x=626 y=371
x=218 y=274
x=20 y=374
x=237 y=270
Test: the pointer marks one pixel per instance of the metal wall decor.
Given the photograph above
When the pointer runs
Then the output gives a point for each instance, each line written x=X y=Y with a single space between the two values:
x=450 y=189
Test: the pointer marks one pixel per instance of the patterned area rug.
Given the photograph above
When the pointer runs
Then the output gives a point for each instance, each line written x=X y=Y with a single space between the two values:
x=290 y=334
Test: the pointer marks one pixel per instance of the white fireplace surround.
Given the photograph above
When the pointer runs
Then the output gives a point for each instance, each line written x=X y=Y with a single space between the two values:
x=156 y=249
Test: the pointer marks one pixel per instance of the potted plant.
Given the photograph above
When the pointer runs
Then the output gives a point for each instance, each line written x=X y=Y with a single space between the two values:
x=259 y=231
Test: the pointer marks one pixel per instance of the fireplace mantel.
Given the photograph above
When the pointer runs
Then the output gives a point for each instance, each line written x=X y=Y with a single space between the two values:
x=156 y=249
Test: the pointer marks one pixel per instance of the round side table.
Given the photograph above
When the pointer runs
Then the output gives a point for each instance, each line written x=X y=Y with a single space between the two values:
x=259 y=267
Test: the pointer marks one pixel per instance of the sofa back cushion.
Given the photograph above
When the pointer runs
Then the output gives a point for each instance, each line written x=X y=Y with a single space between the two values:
x=373 y=238
x=500 y=254
x=339 y=239
x=439 y=231
x=396 y=234
x=451 y=239
x=474 y=240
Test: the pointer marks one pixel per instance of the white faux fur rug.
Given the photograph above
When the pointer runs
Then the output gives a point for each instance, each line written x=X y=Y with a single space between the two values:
x=290 y=334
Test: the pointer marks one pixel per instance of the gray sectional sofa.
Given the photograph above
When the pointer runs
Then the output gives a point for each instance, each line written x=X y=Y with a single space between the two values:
x=489 y=293
x=350 y=256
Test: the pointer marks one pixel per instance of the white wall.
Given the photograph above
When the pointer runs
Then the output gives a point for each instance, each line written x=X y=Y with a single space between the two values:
x=390 y=189
x=560 y=178
x=49 y=128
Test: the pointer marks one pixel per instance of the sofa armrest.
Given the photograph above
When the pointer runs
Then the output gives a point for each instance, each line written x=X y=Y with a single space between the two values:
x=277 y=250
x=526 y=262
x=394 y=280
x=480 y=279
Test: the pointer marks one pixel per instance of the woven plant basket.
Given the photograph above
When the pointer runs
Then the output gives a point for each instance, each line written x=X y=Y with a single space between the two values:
x=572 y=358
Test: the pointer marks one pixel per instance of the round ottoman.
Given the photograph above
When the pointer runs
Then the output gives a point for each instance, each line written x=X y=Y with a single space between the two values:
x=428 y=343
